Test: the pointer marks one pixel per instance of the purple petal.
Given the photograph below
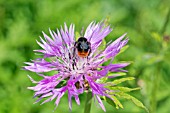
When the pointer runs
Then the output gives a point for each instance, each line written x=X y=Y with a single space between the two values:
x=112 y=68
x=32 y=80
x=100 y=103
x=70 y=101
x=77 y=99
x=58 y=98
x=96 y=32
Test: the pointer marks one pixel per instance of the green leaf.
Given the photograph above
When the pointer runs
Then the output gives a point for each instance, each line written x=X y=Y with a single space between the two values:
x=118 y=81
x=77 y=35
x=117 y=102
x=156 y=36
x=107 y=20
x=116 y=74
x=102 y=45
x=133 y=99
x=123 y=49
x=102 y=80
x=124 y=89
x=114 y=101
x=110 y=101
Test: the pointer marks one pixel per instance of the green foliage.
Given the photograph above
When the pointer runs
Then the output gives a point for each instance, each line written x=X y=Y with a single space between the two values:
x=102 y=45
x=133 y=99
x=123 y=49
x=146 y=23
x=120 y=91
x=118 y=81
x=113 y=101
x=124 y=89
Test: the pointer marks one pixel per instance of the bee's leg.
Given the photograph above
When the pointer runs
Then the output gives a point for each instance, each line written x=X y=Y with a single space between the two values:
x=74 y=55
x=88 y=54
x=74 y=50
x=89 y=49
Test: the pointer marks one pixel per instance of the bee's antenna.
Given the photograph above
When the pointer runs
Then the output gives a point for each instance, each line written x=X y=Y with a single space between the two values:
x=81 y=33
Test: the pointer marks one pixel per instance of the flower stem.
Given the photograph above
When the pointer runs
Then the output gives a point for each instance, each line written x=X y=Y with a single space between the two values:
x=155 y=87
x=166 y=22
x=88 y=102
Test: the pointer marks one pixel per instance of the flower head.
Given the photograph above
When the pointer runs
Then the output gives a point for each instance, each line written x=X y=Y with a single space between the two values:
x=76 y=64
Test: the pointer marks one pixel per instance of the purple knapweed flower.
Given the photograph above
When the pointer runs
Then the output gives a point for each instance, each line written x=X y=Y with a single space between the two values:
x=73 y=73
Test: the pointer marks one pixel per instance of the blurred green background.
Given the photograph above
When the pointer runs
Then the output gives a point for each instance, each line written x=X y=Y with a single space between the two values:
x=147 y=23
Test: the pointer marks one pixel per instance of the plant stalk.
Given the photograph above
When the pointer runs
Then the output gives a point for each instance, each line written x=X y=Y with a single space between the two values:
x=88 y=102
x=166 y=22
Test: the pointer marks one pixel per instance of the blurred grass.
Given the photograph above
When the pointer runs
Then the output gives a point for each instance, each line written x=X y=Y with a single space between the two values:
x=21 y=23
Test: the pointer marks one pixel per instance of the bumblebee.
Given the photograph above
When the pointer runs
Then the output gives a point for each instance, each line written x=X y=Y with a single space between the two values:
x=83 y=47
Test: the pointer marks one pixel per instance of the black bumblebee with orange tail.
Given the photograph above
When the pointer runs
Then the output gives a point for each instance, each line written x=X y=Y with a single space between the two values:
x=83 y=47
